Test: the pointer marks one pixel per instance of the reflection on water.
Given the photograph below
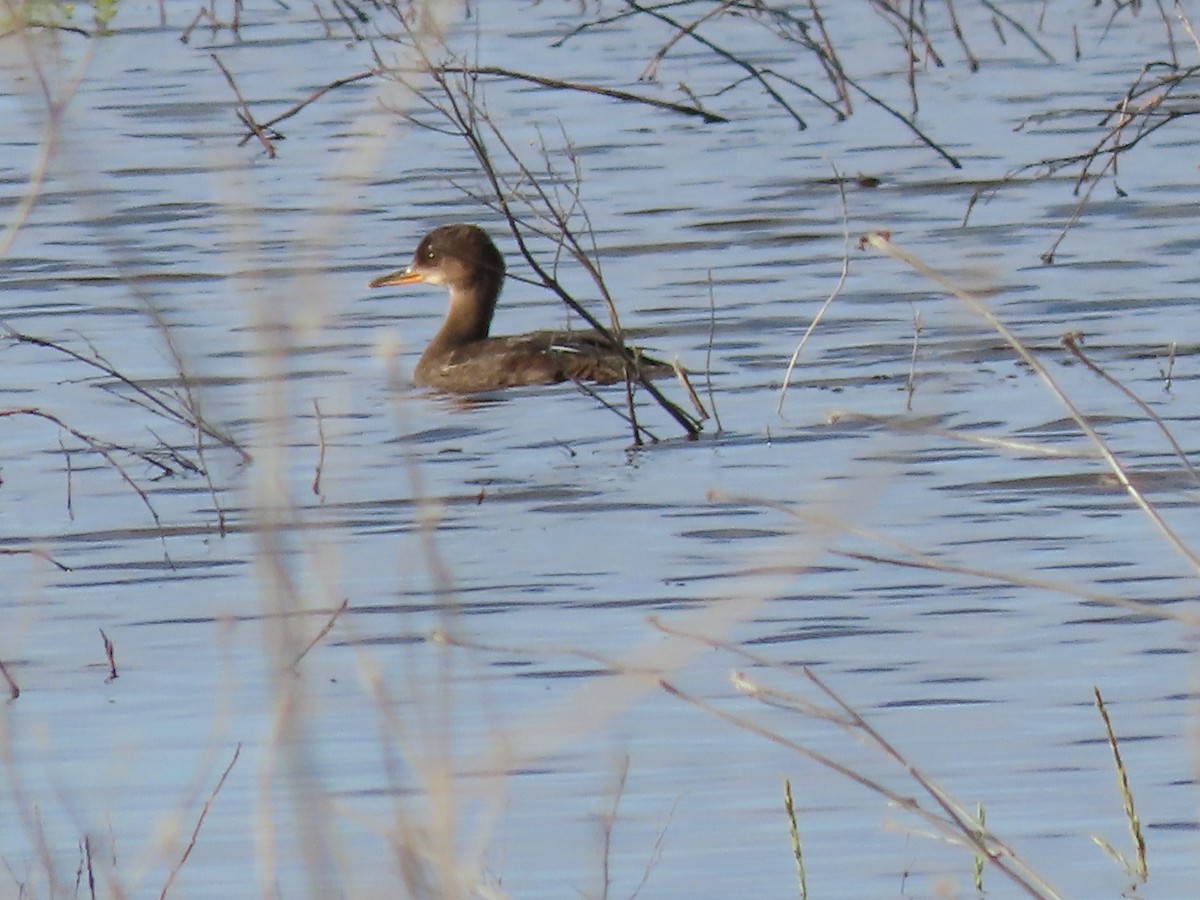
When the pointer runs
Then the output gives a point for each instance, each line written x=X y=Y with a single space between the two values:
x=522 y=527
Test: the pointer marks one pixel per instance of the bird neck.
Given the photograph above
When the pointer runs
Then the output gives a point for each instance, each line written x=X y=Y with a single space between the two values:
x=470 y=314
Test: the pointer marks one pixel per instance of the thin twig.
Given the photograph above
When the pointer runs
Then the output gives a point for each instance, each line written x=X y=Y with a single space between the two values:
x=753 y=72
x=110 y=655
x=34 y=551
x=559 y=84
x=13 y=690
x=199 y=822
x=105 y=449
x=312 y=98
x=244 y=110
x=608 y=822
x=829 y=59
x=1018 y=27
x=70 y=479
x=650 y=73
x=325 y=629
x=320 y=467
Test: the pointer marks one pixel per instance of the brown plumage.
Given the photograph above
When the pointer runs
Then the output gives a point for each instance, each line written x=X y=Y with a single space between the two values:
x=463 y=359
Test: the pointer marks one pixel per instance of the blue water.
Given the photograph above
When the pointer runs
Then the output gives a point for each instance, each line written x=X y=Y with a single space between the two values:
x=527 y=530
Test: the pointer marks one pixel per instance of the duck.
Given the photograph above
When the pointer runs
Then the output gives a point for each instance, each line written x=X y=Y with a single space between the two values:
x=463 y=358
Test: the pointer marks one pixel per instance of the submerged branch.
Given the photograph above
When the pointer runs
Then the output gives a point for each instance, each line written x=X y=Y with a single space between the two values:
x=752 y=71
x=158 y=402
x=1151 y=102
x=108 y=451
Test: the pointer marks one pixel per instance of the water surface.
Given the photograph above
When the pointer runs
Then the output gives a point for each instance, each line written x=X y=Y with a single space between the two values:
x=526 y=528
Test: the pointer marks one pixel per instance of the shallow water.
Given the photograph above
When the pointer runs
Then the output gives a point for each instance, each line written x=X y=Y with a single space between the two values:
x=551 y=543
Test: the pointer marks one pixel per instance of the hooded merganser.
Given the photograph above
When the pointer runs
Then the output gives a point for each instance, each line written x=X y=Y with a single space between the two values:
x=462 y=359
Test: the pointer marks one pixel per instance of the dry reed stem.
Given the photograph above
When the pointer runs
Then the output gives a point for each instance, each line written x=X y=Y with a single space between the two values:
x=951 y=827
x=276 y=517
x=919 y=426
x=917 y=559
x=423 y=836
x=26 y=809
x=1085 y=198
x=789 y=808
x=972 y=59
x=685 y=382
x=1168 y=373
x=425 y=828
x=950 y=820
x=1139 y=607
x=160 y=458
x=656 y=852
x=882 y=242
x=1073 y=342
x=622 y=412
x=70 y=479
x=1139 y=869
x=423 y=840
x=56 y=106
x=646 y=666
x=910 y=383
x=906 y=29
x=708 y=353
x=837 y=290
x=288 y=787
x=210 y=15
x=182 y=410
x=1187 y=26
x=346 y=12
